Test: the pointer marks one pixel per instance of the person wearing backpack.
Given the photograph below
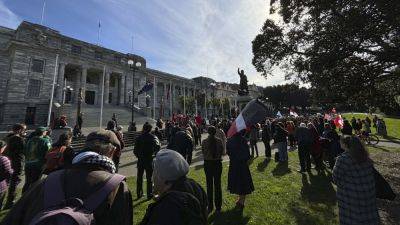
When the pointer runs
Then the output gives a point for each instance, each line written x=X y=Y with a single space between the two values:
x=179 y=200
x=15 y=152
x=5 y=173
x=90 y=188
x=304 y=139
x=35 y=152
x=60 y=155
x=146 y=146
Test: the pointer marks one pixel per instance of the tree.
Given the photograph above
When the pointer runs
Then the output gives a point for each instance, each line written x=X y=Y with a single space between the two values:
x=345 y=49
x=288 y=95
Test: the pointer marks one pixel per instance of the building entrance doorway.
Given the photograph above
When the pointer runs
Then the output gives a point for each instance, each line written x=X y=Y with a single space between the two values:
x=89 y=97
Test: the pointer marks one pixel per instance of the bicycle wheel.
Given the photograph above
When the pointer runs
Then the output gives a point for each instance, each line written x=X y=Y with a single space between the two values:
x=373 y=139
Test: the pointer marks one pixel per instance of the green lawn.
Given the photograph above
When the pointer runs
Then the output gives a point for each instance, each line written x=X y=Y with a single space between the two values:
x=282 y=196
x=392 y=124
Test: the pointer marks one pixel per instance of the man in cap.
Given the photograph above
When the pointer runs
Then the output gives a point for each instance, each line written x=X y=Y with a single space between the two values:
x=179 y=200
x=35 y=156
x=91 y=168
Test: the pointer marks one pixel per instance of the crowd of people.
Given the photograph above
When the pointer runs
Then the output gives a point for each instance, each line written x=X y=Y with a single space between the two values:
x=177 y=198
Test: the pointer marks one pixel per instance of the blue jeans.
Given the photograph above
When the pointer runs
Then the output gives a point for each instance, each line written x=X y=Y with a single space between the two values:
x=282 y=149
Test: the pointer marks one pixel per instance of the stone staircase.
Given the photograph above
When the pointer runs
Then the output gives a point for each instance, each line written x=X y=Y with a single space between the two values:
x=91 y=115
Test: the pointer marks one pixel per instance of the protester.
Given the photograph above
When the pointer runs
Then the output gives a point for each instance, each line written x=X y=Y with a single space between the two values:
x=366 y=127
x=381 y=127
x=15 y=152
x=347 y=128
x=316 y=149
x=354 y=177
x=160 y=123
x=213 y=149
x=146 y=146
x=60 y=128
x=5 y=173
x=182 y=143
x=290 y=129
x=90 y=171
x=158 y=133
x=120 y=132
x=35 y=152
x=60 y=155
x=280 y=139
x=333 y=146
x=76 y=131
x=266 y=138
x=374 y=122
x=239 y=176
x=179 y=200
x=114 y=118
x=253 y=136
x=304 y=139
x=112 y=126
x=221 y=135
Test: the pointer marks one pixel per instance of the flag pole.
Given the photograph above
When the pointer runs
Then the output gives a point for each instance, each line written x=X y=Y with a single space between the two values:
x=98 y=34
x=52 y=90
x=102 y=98
x=43 y=9
x=184 y=99
x=155 y=97
x=170 y=99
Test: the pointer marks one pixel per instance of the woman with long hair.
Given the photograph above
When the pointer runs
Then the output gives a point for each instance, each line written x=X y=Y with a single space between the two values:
x=354 y=177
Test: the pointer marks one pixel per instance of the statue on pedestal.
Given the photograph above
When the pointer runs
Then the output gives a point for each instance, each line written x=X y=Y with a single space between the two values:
x=243 y=87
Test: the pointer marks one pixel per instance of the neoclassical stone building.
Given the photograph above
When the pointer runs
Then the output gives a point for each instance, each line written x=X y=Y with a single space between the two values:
x=28 y=64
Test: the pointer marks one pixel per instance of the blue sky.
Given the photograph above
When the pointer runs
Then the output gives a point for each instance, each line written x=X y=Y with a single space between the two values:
x=183 y=37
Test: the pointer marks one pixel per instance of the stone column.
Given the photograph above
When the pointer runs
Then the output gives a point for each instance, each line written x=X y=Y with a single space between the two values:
x=121 y=89
x=60 y=82
x=83 y=81
x=107 y=88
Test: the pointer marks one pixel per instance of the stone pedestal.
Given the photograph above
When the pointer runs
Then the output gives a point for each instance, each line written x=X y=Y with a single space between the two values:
x=241 y=101
x=148 y=111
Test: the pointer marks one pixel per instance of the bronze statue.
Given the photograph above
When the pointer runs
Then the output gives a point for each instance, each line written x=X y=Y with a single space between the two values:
x=243 y=87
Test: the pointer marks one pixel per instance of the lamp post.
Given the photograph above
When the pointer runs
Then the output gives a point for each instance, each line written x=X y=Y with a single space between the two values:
x=133 y=65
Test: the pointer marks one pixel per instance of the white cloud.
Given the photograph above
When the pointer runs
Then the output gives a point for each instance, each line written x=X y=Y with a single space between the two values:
x=7 y=17
x=193 y=36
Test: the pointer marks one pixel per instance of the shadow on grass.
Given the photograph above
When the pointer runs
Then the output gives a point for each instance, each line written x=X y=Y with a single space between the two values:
x=137 y=203
x=391 y=139
x=262 y=165
x=231 y=216
x=318 y=189
x=281 y=169
x=197 y=167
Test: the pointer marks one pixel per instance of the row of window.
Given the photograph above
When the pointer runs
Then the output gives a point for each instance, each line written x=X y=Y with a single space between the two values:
x=76 y=49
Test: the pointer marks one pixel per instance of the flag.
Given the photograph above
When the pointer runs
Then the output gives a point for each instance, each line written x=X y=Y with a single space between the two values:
x=279 y=114
x=254 y=112
x=293 y=113
x=147 y=87
x=338 y=121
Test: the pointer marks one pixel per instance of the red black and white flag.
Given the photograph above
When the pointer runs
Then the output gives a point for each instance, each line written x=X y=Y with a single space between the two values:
x=254 y=112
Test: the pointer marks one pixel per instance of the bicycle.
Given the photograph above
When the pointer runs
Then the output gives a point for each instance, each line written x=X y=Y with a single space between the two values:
x=369 y=139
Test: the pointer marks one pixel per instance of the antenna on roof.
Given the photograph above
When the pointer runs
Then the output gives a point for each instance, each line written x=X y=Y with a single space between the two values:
x=43 y=8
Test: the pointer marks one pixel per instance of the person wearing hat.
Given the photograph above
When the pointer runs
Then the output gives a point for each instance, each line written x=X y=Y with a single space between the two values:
x=35 y=156
x=5 y=172
x=15 y=152
x=91 y=168
x=179 y=200
x=304 y=139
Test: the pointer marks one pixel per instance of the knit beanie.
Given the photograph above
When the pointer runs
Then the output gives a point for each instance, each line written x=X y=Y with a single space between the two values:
x=169 y=165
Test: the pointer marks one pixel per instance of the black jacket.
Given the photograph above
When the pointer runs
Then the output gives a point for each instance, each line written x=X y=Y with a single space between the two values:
x=184 y=204
x=146 y=145
x=182 y=143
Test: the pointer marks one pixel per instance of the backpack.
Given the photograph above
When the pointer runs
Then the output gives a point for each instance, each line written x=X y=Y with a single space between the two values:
x=74 y=211
x=55 y=158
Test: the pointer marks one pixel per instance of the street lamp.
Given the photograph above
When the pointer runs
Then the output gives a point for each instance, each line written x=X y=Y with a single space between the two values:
x=133 y=65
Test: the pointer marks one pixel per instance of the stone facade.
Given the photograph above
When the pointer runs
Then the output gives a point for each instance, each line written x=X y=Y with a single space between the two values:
x=28 y=67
